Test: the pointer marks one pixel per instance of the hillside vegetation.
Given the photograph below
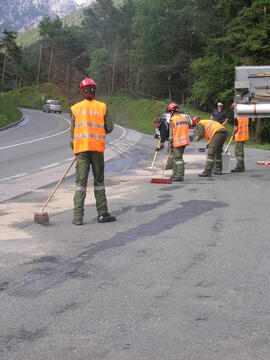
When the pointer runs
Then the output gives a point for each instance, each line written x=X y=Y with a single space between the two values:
x=139 y=113
x=33 y=98
x=9 y=113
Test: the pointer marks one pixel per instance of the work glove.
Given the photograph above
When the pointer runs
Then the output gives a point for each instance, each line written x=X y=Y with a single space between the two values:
x=160 y=147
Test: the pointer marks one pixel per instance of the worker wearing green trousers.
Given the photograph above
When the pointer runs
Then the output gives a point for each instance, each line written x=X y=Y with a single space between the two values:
x=240 y=155
x=84 y=160
x=178 y=163
x=215 y=152
x=216 y=134
x=170 y=160
x=89 y=125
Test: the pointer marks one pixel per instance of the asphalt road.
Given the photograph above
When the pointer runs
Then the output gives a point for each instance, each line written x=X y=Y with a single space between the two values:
x=182 y=274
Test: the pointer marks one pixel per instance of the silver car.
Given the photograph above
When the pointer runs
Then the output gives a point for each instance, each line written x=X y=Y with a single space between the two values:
x=52 y=106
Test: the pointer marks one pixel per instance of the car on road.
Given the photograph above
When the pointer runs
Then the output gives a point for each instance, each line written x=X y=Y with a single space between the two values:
x=52 y=106
x=166 y=117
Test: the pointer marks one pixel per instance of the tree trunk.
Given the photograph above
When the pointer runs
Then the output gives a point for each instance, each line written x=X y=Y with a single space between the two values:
x=137 y=82
x=258 y=132
x=69 y=79
x=51 y=63
x=170 y=87
x=4 y=69
x=113 y=71
x=20 y=82
x=126 y=77
x=183 y=98
x=39 y=62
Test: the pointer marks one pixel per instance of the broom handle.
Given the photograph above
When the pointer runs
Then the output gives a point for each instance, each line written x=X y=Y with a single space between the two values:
x=164 y=166
x=57 y=185
x=231 y=139
x=155 y=156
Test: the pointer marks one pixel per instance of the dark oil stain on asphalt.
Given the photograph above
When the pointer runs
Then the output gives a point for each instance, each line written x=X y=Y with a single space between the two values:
x=34 y=283
x=23 y=335
x=3 y=285
x=44 y=259
x=165 y=196
x=147 y=207
x=139 y=208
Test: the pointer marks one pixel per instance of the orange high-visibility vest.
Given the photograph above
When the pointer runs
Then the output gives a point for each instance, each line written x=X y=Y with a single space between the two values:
x=180 y=130
x=242 y=129
x=210 y=128
x=89 y=127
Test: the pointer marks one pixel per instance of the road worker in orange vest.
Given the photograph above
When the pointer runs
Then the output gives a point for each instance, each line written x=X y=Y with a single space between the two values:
x=241 y=134
x=215 y=134
x=89 y=125
x=178 y=140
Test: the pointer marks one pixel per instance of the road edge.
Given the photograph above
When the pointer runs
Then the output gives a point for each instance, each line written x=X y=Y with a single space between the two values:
x=12 y=125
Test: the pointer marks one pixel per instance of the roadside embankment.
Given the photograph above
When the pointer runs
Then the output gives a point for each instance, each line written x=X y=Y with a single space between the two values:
x=9 y=113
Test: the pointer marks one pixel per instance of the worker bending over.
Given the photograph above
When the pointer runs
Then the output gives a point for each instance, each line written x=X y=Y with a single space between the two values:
x=215 y=134
x=178 y=140
x=89 y=124
x=241 y=134
x=163 y=127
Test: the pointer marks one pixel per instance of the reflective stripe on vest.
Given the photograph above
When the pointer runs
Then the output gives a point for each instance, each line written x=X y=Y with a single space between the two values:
x=180 y=130
x=242 y=129
x=210 y=128
x=89 y=127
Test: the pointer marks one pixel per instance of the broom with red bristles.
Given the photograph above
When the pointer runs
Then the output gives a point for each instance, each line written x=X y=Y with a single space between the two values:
x=162 y=180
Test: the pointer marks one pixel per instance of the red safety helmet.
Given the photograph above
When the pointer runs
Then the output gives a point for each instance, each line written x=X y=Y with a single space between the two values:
x=87 y=82
x=195 y=120
x=172 y=107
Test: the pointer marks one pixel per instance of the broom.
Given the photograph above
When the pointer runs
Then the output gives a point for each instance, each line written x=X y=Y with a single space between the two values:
x=162 y=180
x=229 y=144
x=42 y=217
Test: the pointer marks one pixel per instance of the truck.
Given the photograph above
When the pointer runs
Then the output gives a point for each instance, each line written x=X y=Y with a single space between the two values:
x=252 y=91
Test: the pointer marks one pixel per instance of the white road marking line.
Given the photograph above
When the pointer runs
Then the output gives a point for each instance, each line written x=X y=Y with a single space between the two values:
x=124 y=133
x=5 y=179
x=13 y=177
x=39 y=139
x=18 y=175
x=49 y=166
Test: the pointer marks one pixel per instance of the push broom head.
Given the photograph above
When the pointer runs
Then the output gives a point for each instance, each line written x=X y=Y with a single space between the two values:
x=41 y=218
x=161 y=181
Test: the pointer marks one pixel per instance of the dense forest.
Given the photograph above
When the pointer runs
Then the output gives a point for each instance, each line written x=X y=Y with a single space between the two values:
x=184 y=50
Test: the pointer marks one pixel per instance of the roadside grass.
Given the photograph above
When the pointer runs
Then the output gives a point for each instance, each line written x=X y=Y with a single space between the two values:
x=9 y=113
x=139 y=113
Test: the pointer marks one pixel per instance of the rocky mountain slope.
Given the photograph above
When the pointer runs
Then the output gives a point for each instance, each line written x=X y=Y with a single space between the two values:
x=20 y=15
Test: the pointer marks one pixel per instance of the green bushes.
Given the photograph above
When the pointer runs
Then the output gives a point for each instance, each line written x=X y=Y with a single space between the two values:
x=8 y=112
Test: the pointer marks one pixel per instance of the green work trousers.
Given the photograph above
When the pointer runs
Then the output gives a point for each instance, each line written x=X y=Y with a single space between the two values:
x=214 y=152
x=240 y=155
x=170 y=160
x=84 y=161
x=178 y=163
